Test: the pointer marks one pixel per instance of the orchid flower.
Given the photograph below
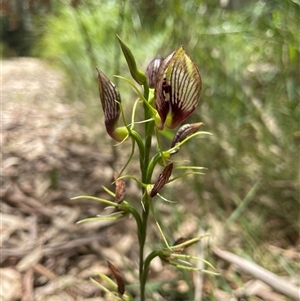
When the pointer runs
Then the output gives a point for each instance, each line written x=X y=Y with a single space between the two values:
x=178 y=87
x=111 y=100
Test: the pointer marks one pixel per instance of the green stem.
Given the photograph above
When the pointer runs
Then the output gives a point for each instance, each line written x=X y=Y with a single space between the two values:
x=147 y=262
x=151 y=166
x=140 y=144
x=149 y=126
x=142 y=241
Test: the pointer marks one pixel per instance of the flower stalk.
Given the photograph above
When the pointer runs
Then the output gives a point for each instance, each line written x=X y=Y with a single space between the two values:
x=177 y=85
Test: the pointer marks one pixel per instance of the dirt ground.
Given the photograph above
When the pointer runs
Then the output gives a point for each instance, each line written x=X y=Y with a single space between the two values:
x=48 y=157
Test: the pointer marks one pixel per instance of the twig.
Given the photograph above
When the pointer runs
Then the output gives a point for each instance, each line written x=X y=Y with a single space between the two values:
x=52 y=248
x=198 y=282
x=14 y=195
x=42 y=270
x=28 y=286
x=277 y=283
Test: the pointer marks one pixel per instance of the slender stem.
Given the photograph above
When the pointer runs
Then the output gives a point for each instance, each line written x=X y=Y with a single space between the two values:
x=151 y=166
x=140 y=144
x=149 y=126
x=158 y=226
x=147 y=262
x=142 y=245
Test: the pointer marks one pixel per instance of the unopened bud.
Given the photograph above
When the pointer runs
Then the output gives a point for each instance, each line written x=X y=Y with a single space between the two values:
x=120 y=189
x=137 y=75
x=110 y=101
x=162 y=179
x=119 y=279
x=179 y=241
x=185 y=131
x=152 y=69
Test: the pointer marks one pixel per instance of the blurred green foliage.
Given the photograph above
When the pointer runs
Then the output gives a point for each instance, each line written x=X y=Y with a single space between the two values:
x=249 y=62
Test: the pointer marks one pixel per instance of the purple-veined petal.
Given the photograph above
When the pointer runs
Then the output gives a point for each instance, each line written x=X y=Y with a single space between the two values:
x=109 y=97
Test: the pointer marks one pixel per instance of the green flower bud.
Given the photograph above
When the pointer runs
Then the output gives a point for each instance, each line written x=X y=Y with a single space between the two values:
x=137 y=75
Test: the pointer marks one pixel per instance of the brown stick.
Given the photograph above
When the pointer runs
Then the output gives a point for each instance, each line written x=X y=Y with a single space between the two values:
x=28 y=286
x=52 y=248
x=277 y=283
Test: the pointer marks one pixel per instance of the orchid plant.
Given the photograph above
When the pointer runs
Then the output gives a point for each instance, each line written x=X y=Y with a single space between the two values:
x=169 y=92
